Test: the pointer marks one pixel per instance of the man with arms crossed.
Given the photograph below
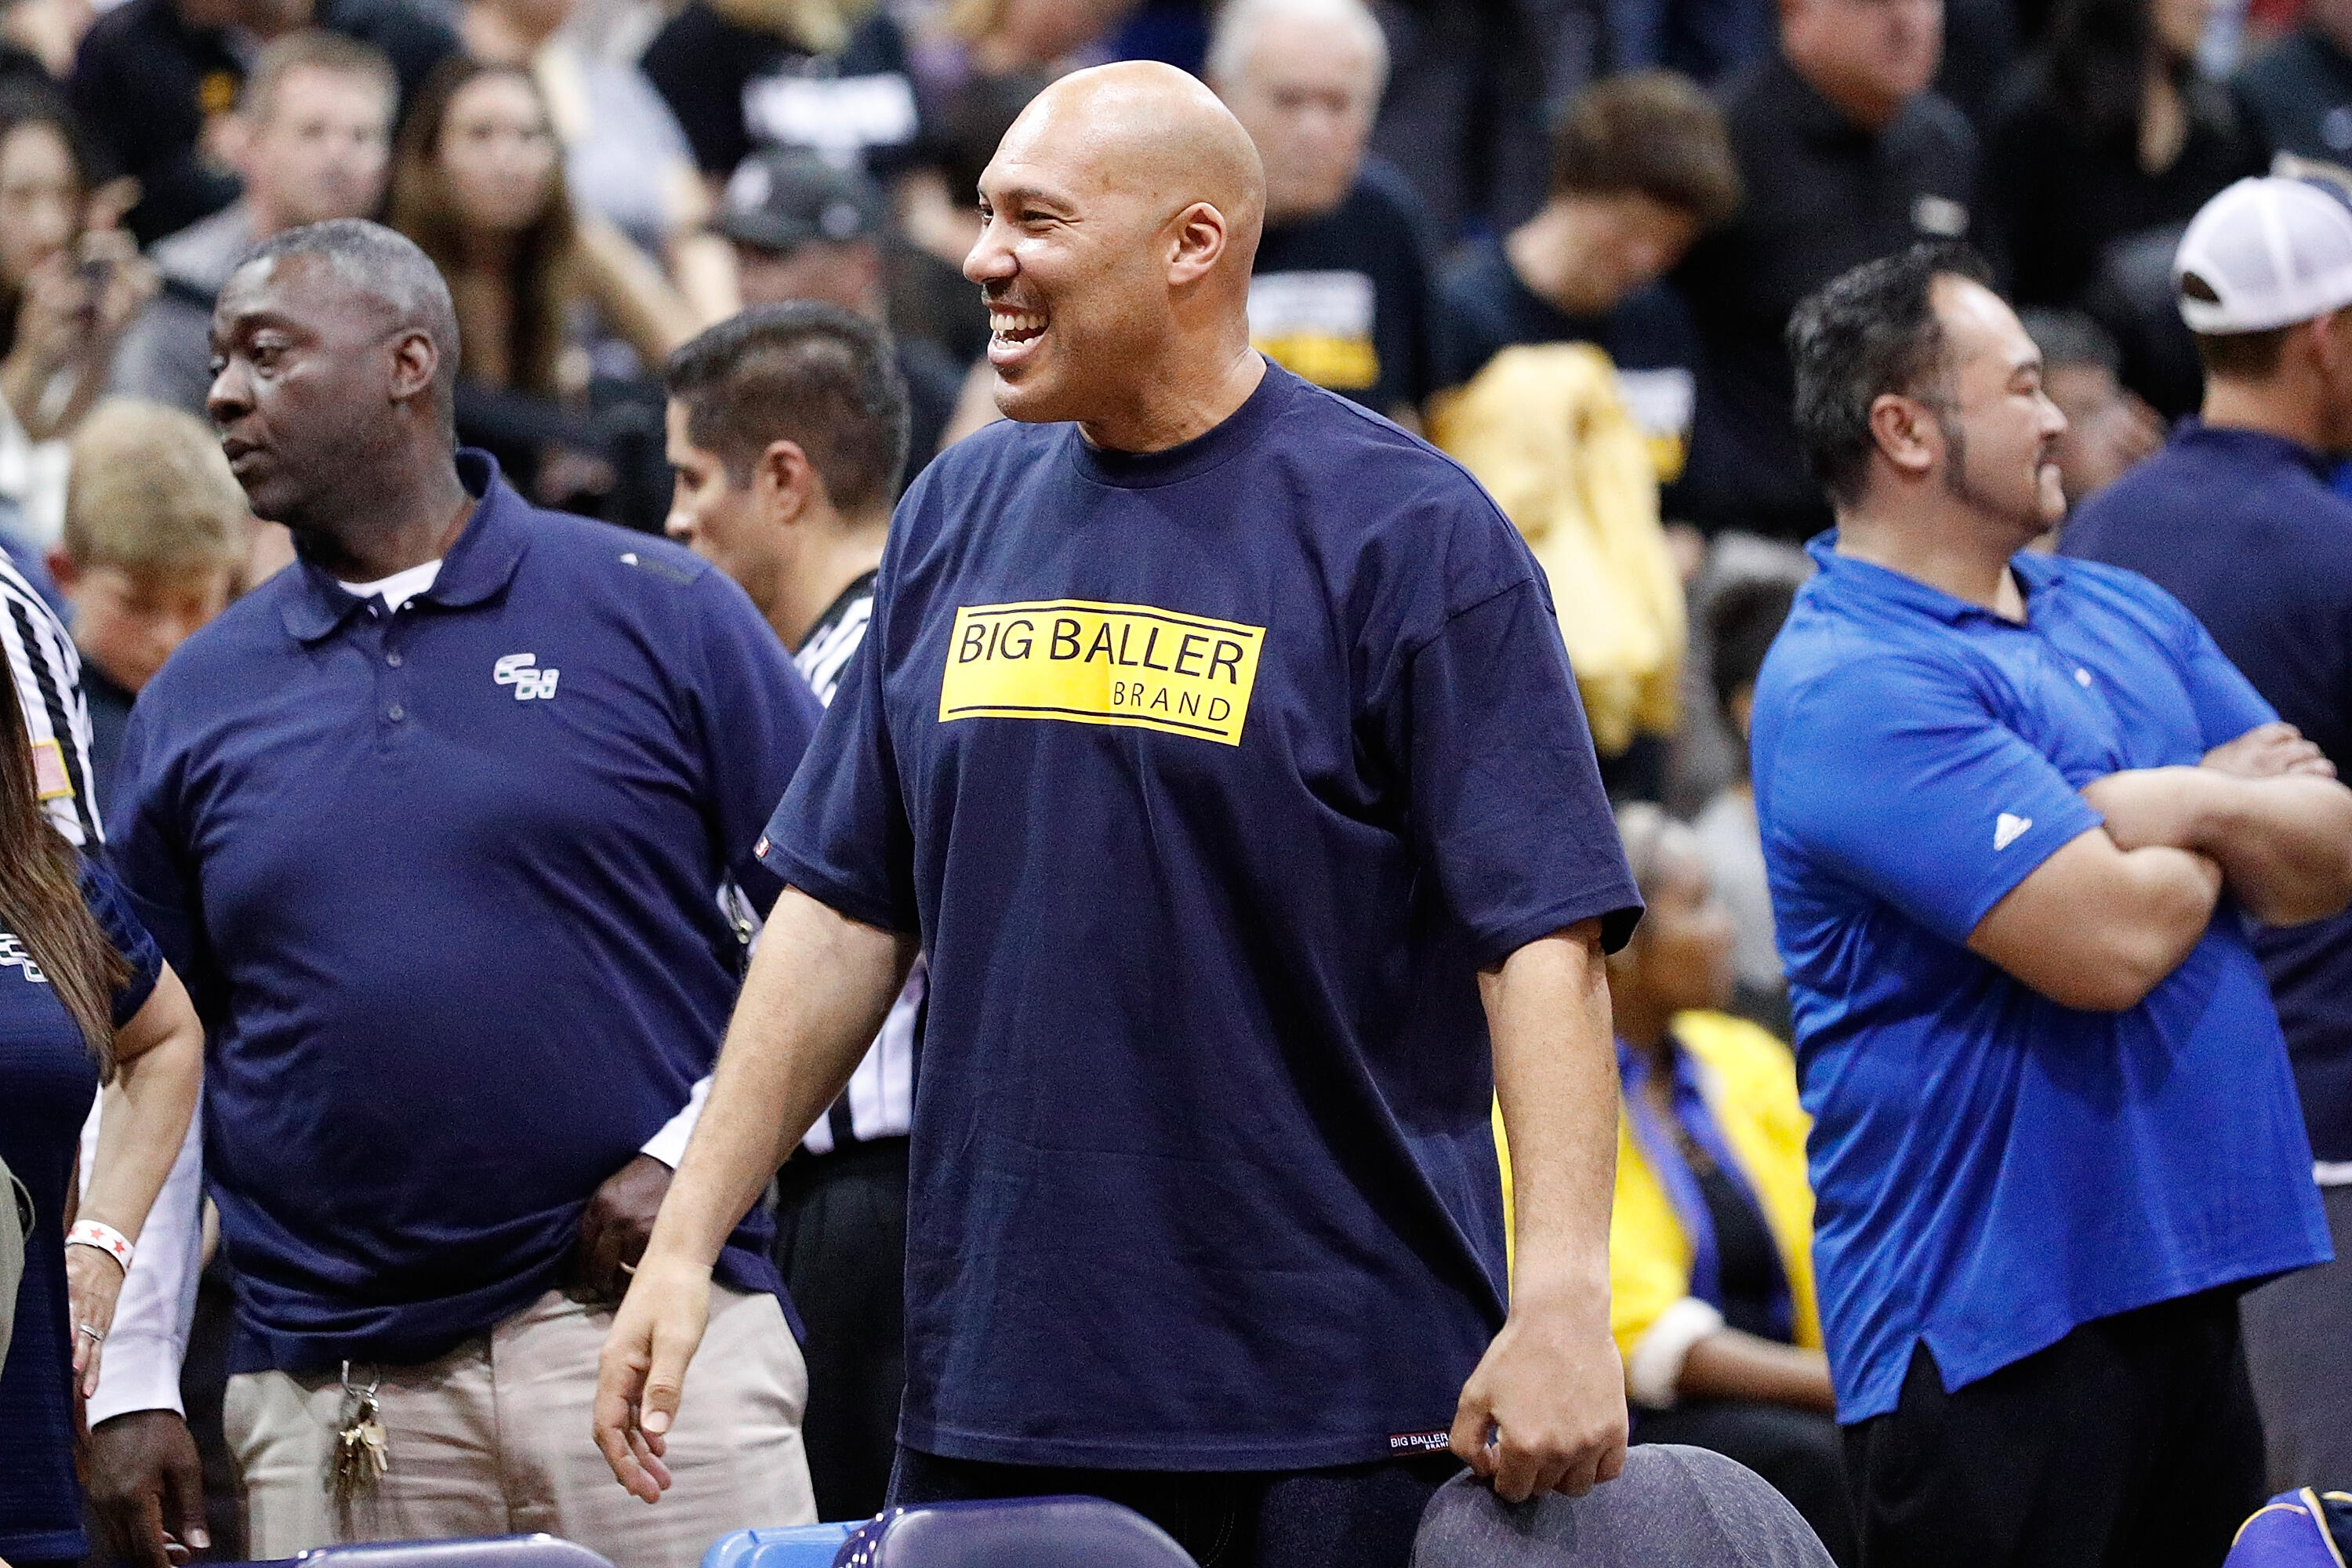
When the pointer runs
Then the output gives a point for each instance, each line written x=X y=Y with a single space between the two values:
x=2013 y=807
x=788 y=427
x=1217 y=740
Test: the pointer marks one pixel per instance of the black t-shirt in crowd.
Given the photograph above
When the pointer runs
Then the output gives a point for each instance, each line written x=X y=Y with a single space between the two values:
x=1489 y=308
x=2300 y=95
x=1347 y=299
x=146 y=83
x=735 y=87
x=1823 y=195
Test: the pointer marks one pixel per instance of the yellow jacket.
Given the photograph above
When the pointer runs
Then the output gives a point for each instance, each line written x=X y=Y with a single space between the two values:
x=1750 y=1083
x=1543 y=428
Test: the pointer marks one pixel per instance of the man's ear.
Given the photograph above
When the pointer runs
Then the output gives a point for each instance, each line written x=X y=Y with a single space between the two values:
x=415 y=359
x=1197 y=240
x=784 y=483
x=63 y=570
x=1906 y=433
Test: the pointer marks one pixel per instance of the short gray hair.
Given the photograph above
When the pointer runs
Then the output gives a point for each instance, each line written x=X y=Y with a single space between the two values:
x=385 y=265
x=1238 y=21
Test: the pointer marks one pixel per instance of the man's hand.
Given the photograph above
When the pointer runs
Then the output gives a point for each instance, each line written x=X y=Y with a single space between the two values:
x=2269 y=751
x=642 y=1372
x=1545 y=1411
x=147 y=1488
x=616 y=1225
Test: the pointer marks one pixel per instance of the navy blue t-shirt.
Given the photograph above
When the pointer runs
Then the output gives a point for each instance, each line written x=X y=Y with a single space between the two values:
x=47 y=1081
x=2243 y=528
x=445 y=885
x=1209 y=778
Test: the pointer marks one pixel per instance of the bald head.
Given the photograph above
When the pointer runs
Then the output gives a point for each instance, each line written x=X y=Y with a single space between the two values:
x=384 y=267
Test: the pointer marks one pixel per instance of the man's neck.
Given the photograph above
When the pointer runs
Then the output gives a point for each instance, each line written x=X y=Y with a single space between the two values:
x=1550 y=254
x=1950 y=549
x=1640 y=1022
x=1182 y=405
x=1866 y=110
x=418 y=523
x=840 y=557
x=2232 y=404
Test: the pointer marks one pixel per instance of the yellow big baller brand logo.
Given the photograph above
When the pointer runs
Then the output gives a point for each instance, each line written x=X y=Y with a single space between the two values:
x=1102 y=664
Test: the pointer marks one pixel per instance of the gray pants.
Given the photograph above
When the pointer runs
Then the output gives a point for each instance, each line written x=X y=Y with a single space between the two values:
x=2299 y=1351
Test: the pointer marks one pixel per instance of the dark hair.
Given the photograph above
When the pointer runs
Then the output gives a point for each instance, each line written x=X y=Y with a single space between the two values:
x=543 y=275
x=1867 y=333
x=2095 y=62
x=2071 y=337
x=812 y=374
x=1743 y=616
x=2243 y=356
x=1652 y=134
x=391 y=268
x=23 y=103
x=40 y=893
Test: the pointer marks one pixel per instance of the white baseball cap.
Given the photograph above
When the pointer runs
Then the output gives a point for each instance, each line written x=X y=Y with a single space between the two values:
x=2271 y=251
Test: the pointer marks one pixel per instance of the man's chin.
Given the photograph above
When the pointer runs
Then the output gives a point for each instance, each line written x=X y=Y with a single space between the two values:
x=1029 y=400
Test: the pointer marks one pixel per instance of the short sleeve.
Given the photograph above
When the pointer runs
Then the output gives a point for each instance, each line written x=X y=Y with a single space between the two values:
x=110 y=907
x=1505 y=794
x=756 y=715
x=149 y=855
x=1895 y=775
x=840 y=834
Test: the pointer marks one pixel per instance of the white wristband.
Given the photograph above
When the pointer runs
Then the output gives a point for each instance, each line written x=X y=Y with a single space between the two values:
x=105 y=1238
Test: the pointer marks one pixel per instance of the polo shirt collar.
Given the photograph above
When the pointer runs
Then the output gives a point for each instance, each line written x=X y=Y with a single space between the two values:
x=478 y=568
x=2252 y=446
x=1852 y=578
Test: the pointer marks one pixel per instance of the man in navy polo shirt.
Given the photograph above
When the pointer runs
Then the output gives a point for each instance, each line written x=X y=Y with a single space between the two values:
x=1217 y=740
x=437 y=824
x=2235 y=517
x=2012 y=809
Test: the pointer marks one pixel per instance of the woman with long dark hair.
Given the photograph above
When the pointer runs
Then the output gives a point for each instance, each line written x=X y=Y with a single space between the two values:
x=2110 y=130
x=85 y=1001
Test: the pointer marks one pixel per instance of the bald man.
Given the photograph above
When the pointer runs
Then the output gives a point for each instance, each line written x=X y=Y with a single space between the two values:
x=1216 y=741
x=435 y=823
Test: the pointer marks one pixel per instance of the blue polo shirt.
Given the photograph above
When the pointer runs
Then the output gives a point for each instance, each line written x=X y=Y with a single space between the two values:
x=1211 y=778
x=1991 y=1169
x=444 y=885
x=2243 y=528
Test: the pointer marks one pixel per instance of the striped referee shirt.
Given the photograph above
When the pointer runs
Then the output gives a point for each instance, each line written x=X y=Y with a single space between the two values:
x=47 y=671
x=880 y=1099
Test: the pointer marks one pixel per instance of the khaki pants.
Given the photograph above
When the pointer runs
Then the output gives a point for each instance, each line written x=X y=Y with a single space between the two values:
x=494 y=1440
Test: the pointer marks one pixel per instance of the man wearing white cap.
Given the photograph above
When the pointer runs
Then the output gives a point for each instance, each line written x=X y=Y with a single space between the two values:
x=2236 y=519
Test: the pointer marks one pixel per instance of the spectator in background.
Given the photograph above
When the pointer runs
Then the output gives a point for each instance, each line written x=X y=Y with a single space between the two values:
x=314 y=138
x=1710 y=1248
x=788 y=430
x=1640 y=168
x=1465 y=121
x=1742 y=617
x=2236 y=518
x=1705 y=39
x=157 y=82
x=1342 y=294
x=156 y=538
x=68 y=292
x=827 y=75
x=1844 y=154
x=2299 y=90
x=1023 y=44
x=2107 y=131
x=477 y=183
x=1993 y=850
x=2110 y=429
x=802 y=230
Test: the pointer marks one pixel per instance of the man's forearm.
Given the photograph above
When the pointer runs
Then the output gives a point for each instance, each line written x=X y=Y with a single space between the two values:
x=1556 y=1078
x=2283 y=843
x=819 y=987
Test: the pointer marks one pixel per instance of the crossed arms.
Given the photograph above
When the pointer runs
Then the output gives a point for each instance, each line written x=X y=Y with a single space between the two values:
x=2107 y=915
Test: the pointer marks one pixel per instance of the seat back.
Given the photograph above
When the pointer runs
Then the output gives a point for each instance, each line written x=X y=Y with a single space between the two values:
x=542 y=1550
x=790 y=1546
x=1022 y=1532
x=1673 y=1508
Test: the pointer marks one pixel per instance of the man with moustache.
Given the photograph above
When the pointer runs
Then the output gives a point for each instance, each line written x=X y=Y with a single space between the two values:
x=2011 y=806
x=1214 y=741
x=436 y=823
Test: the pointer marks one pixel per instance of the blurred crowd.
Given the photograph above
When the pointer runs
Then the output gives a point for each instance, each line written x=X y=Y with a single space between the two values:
x=1560 y=238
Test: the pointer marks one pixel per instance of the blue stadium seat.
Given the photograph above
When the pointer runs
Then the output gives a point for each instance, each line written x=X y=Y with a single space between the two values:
x=1673 y=1508
x=791 y=1546
x=1024 y=1533
x=540 y=1551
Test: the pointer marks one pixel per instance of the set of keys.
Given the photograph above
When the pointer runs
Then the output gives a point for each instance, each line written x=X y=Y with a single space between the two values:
x=362 y=1451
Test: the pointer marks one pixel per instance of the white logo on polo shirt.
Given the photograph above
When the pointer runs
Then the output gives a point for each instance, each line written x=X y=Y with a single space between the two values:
x=2008 y=830
x=14 y=956
x=515 y=669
